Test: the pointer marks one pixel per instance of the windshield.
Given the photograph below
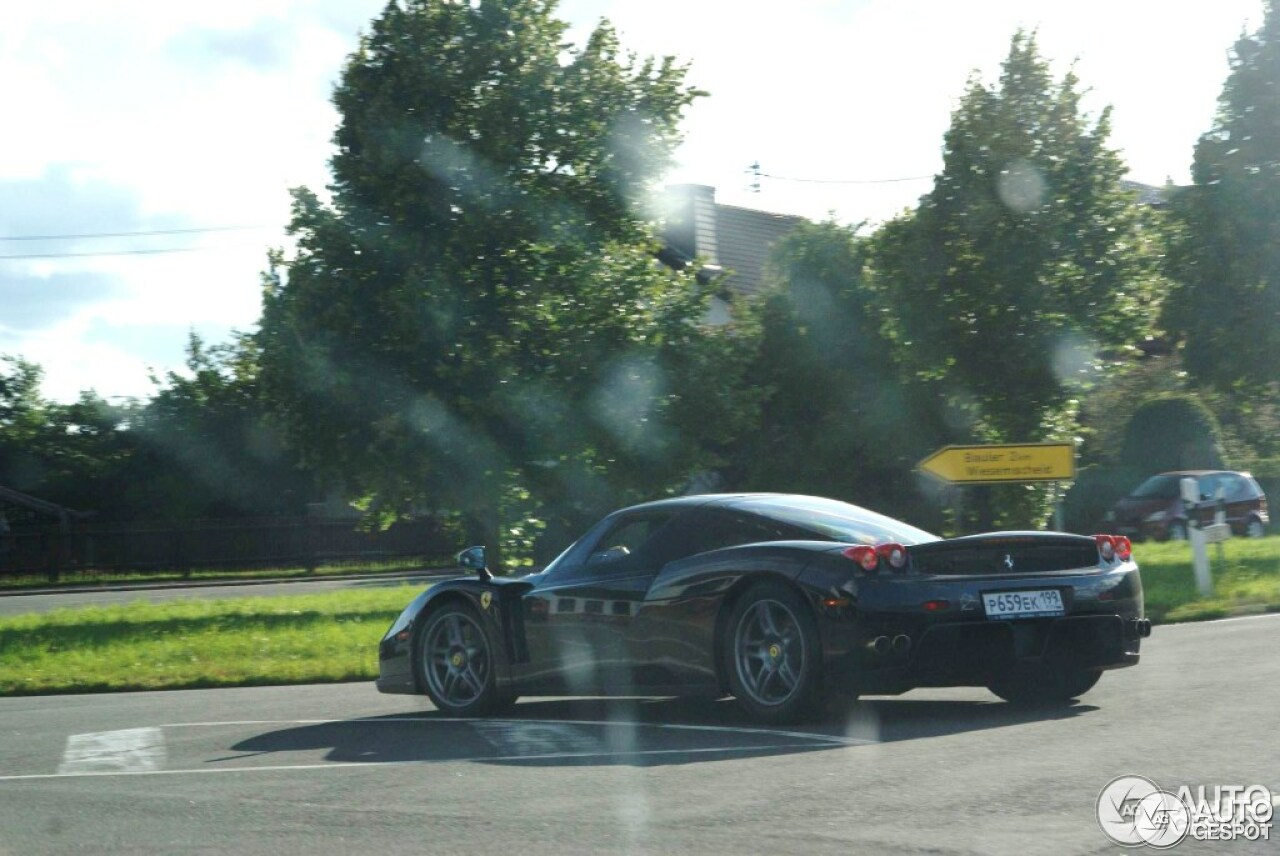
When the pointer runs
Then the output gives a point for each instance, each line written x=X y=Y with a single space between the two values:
x=837 y=520
x=1158 y=487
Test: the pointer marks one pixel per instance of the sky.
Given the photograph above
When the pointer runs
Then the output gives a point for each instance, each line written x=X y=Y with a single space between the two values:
x=190 y=122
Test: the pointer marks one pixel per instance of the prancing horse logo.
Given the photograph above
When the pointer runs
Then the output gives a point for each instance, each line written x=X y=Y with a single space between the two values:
x=1008 y=562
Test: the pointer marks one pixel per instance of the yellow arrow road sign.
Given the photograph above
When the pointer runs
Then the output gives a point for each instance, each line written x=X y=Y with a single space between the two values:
x=996 y=464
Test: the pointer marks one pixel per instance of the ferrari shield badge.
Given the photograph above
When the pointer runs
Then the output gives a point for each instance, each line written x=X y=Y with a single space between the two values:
x=486 y=598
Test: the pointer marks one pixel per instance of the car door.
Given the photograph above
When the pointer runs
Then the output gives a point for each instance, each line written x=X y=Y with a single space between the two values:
x=579 y=620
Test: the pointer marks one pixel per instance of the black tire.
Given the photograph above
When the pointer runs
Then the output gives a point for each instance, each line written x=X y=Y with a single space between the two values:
x=1254 y=528
x=1177 y=531
x=1045 y=686
x=455 y=661
x=772 y=654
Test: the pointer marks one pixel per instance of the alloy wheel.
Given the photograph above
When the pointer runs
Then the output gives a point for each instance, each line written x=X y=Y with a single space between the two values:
x=456 y=658
x=769 y=652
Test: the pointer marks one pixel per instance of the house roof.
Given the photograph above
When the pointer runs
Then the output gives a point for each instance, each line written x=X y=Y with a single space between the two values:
x=10 y=496
x=738 y=240
x=1148 y=194
x=745 y=238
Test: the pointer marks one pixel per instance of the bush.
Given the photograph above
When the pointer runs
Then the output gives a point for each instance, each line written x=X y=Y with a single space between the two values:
x=1176 y=432
x=1091 y=496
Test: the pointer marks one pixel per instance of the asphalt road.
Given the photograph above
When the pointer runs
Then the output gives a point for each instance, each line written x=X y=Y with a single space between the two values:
x=20 y=604
x=341 y=769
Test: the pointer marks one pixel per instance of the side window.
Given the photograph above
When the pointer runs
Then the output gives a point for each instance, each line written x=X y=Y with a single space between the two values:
x=1209 y=487
x=715 y=530
x=626 y=544
x=1238 y=489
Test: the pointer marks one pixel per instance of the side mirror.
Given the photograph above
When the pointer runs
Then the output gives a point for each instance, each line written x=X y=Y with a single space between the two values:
x=472 y=558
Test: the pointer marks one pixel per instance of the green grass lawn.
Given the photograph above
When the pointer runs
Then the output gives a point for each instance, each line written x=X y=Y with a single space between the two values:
x=334 y=636
x=1246 y=577
x=205 y=643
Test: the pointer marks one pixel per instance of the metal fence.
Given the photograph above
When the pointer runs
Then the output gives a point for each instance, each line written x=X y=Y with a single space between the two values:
x=92 y=548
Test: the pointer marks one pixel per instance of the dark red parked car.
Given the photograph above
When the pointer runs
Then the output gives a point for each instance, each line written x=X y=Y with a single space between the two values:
x=1155 y=509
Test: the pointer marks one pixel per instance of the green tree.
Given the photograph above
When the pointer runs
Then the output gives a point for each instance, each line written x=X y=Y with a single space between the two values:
x=1226 y=260
x=836 y=419
x=1026 y=264
x=204 y=446
x=24 y=424
x=476 y=307
x=63 y=453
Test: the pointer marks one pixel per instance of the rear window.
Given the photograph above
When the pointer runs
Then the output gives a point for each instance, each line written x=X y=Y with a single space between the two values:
x=831 y=520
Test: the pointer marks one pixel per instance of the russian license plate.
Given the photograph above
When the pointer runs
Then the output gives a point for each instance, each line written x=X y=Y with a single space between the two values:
x=1023 y=604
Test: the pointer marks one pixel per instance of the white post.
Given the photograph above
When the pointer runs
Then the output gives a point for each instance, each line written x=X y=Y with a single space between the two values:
x=1199 y=553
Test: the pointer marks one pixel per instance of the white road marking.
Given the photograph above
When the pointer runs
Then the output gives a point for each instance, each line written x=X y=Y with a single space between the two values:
x=534 y=737
x=555 y=756
x=133 y=750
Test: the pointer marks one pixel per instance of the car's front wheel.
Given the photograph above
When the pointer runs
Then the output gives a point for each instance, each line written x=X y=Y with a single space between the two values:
x=456 y=663
x=773 y=655
x=1045 y=686
x=1254 y=528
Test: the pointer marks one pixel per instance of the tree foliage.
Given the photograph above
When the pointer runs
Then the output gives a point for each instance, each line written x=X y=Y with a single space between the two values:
x=23 y=419
x=1226 y=258
x=477 y=304
x=1176 y=432
x=836 y=420
x=1026 y=261
x=201 y=446
x=204 y=445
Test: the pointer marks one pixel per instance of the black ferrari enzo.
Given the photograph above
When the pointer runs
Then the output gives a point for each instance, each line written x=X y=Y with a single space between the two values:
x=777 y=600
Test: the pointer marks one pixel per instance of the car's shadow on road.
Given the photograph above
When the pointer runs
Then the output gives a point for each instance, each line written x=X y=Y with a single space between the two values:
x=635 y=732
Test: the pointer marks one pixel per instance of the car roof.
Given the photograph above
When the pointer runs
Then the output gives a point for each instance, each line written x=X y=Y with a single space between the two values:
x=1201 y=472
x=699 y=499
x=721 y=499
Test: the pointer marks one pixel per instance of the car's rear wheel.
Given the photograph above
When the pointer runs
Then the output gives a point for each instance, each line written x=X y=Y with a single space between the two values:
x=1254 y=528
x=773 y=655
x=1045 y=686
x=456 y=663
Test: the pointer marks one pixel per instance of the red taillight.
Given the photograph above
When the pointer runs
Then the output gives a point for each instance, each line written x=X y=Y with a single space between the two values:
x=863 y=555
x=1106 y=546
x=936 y=605
x=1124 y=547
x=894 y=554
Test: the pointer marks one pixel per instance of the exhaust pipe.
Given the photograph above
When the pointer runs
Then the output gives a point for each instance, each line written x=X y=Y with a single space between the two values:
x=880 y=645
x=901 y=643
x=1141 y=628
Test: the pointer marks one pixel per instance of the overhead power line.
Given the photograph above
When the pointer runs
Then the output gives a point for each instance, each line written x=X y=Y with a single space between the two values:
x=846 y=180
x=142 y=233
x=152 y=252
x=758 y=174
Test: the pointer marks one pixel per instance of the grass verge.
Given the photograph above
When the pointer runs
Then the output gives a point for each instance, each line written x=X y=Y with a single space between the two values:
x=199 y=643
x=1246 y=578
